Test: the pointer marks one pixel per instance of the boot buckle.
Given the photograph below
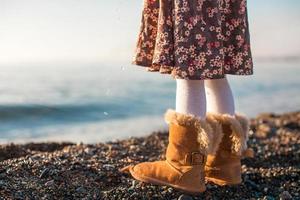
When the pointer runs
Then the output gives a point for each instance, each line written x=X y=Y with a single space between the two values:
x=196 y=158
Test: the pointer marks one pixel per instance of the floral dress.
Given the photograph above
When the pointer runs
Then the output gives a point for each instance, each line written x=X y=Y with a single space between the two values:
x=194 y=39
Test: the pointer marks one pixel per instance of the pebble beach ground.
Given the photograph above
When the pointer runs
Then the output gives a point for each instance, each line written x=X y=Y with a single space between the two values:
x=84 y=171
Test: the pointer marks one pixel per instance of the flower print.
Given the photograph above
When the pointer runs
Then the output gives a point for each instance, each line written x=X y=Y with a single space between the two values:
x=202 y=62
x=223 y=18
x=208 y=42
x=202 y=54
x=184 y=74
x=218 y=29
x=238 y=59
x=187 y=33
x=190 y=26
x=198 y=36
x=180 y=60
x=227 y=67
x=238 y=37
x=184 y=57
x=208 y=52
x=230 y=47
x=191 y=70
x=192 y=48
x=219 y=36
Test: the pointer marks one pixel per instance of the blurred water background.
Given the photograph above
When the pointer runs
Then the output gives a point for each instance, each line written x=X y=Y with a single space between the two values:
x=65 y=72
x=95 y=102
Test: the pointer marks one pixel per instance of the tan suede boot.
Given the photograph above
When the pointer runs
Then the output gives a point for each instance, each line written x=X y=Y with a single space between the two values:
x=183 y=169
x=224 y=168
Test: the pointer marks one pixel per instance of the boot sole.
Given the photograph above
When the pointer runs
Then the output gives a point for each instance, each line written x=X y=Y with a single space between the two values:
x=162 y=183
x=221 y=182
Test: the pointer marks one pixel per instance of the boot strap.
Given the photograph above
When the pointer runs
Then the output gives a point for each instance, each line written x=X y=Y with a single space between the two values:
x=195 y=158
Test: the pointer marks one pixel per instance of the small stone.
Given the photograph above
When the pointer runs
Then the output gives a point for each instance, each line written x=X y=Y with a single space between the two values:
x=134 y=182
x=89 y=151
x=268 y=174
x=294 y=184
x=263 y=130
x=209 y=186
x=108 y=166
x=19 y=195
x=9 y=171
x=285 y=195
x=45 y=173
x=132 y=147
x=268 y=198
x=2 y=175
x=49 y=183
x=134 y=194
x=251 y=184
x=2 y=183
x=185 y=197
x=81 y=190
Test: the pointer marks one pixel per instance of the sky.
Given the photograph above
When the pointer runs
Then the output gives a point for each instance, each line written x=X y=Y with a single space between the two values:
x=106 y=31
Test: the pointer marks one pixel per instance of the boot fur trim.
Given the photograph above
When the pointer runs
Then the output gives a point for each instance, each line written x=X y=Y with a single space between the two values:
x=204 y=130
x=239 y=123
x=245 y=124
x=218 y=133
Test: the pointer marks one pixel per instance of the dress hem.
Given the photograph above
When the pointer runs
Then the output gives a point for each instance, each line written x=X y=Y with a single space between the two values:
x=174 y=75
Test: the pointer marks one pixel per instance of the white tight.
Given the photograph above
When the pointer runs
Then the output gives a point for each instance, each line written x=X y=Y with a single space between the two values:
x=200 y=96
x=190 y=97
x=219 y=96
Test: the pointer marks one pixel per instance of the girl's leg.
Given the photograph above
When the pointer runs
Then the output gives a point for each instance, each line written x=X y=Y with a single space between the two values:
x=190 y=97
x=219 y=96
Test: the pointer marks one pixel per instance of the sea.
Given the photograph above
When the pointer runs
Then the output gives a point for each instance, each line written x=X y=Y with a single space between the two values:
x=98 y=102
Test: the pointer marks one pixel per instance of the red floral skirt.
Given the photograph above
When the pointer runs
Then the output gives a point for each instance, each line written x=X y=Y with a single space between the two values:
x=194 y=39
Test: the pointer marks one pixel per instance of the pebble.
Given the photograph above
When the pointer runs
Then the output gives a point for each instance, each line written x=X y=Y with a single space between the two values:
x=2 y=175
x=268 y=198
x=81 y=190
x=49 y=183
x=185 y=197
x=285 y=195
x=263 y=130
x=108 y=166
x=252 y=184
x=2 y=183
x=134 y=183
x=45 y=173
x=89 y=151
x=170 y=190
